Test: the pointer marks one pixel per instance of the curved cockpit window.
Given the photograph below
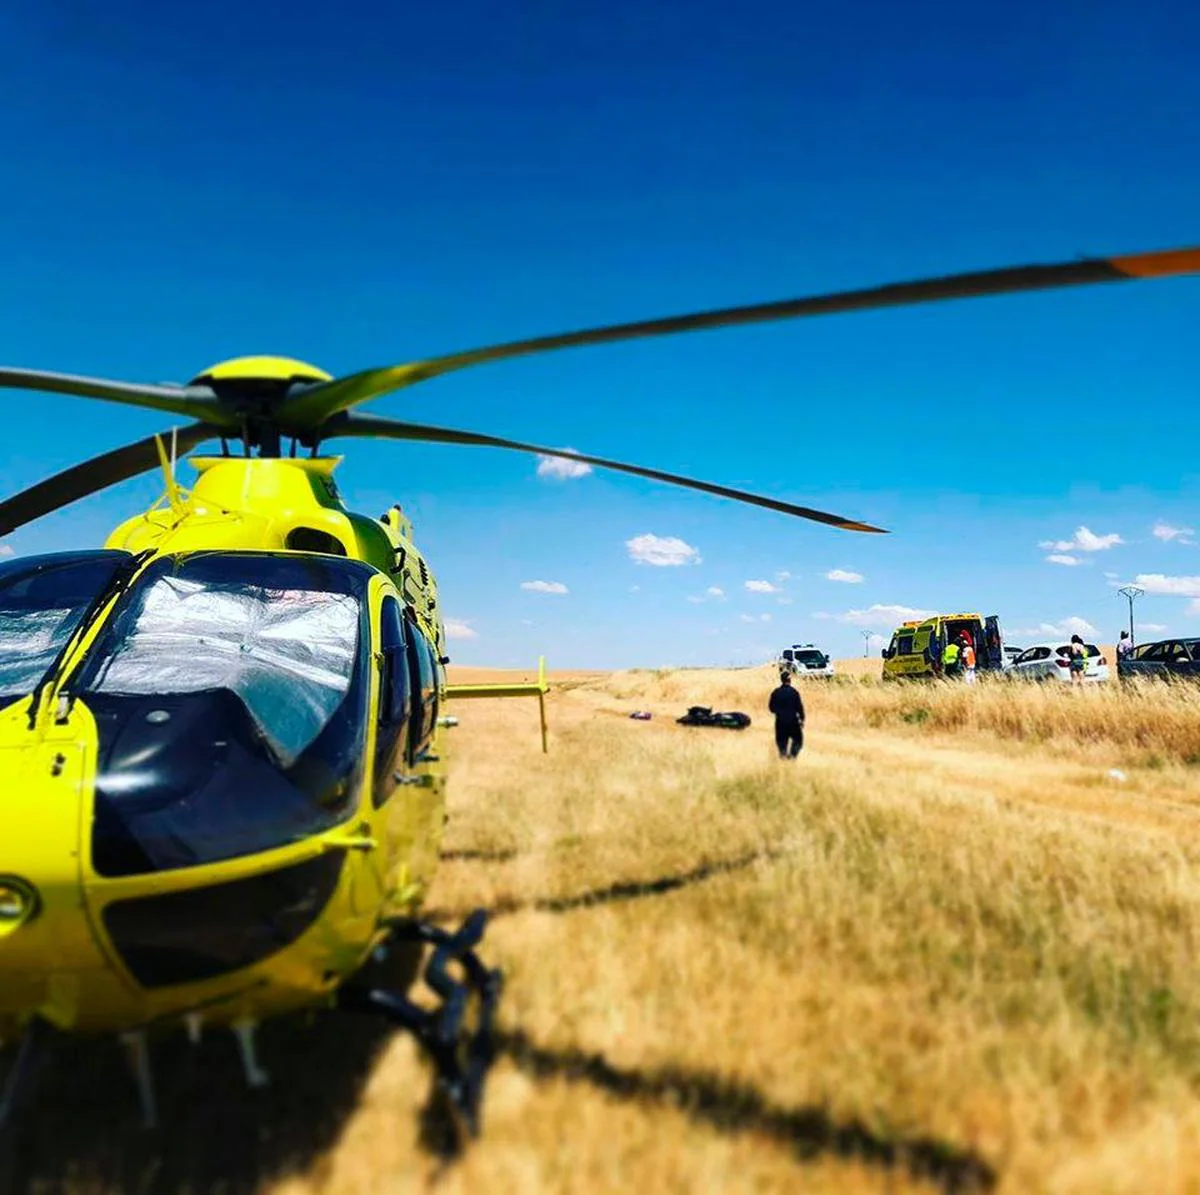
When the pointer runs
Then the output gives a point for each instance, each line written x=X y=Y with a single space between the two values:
x=229 y=692
x=42 y=601
x=278 y=636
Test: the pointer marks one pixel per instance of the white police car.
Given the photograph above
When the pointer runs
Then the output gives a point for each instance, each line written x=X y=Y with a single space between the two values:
x=806 y=660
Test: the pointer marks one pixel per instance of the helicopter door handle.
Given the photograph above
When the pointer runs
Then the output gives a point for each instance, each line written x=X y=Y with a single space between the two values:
x=350 y=842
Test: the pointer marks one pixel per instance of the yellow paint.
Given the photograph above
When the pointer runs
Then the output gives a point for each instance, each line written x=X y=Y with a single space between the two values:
x=271 y=369
x=59 y=963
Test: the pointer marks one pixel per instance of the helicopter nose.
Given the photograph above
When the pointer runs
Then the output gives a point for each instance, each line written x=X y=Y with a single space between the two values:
x=46 y=945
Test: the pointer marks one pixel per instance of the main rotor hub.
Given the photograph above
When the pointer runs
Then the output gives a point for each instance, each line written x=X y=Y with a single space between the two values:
x=252 y=388
x=283 y=371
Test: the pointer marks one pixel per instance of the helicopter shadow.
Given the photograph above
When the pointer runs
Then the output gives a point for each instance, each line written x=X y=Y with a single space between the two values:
x=735 y=1108
x=84 y=1133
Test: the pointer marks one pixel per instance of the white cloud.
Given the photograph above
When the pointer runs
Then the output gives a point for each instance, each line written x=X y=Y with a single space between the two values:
x=635 y=589
x=1153 y=627
x=755 y=617
x=661 y=551
x=5 y=550
x=1073 y=625
x=1170 y=586
x=1083 y=541
x=879 y=616
x=823 y=616
x=761 y=587
x=544 y=587
x=1067 y=560
x=1112 y=576
x=1167 y=533
x=783 y=575
x=785 y=601
x=457 y=629
x=840 y=574
x=712 y=594
x=559 y=468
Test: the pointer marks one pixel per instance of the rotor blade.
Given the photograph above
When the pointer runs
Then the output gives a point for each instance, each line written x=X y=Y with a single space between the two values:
x=310 y=405
x=197 y=402
x=90 y=477
x=391 y=429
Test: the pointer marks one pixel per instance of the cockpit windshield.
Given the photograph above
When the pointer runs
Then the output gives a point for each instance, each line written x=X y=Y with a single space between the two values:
x=280 y=632
x=229 y=696
x=42 y=601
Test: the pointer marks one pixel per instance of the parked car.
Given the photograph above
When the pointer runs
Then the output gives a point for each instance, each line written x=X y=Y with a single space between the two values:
x=1165 y=659
x=1011 y=654
x=806 y=660
x=1045 y=661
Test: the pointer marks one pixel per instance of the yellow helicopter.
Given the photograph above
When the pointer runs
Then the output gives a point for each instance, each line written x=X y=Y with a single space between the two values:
x=222 y=734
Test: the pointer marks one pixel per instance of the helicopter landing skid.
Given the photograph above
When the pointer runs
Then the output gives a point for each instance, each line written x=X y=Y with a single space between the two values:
x=23 y=1070
x=460 y=1057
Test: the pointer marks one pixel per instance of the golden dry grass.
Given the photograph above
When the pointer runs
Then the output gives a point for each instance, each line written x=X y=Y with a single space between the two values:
x=942 y=951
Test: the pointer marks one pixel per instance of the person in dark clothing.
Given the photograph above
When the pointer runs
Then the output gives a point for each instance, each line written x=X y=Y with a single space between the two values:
x=788 y=707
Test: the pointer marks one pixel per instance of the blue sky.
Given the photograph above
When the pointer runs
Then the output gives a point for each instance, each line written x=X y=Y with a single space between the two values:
x=367 y=183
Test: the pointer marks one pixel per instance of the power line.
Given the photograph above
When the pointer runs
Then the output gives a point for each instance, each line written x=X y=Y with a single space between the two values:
x=1131 y=592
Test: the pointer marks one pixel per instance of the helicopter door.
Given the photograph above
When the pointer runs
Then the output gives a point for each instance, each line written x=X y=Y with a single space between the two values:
x=395 y=704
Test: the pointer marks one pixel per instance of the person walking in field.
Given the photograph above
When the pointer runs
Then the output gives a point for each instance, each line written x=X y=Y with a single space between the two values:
x=788 y=707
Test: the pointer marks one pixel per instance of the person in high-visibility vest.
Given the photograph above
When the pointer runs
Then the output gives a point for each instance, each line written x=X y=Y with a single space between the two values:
x=950 y=658
x=968 y=659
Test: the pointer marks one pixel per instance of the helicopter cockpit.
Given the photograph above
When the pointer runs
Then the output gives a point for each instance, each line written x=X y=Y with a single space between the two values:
x=229 y=692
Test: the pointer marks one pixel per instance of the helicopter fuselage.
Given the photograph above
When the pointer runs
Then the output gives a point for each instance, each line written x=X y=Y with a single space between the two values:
x=230 y=776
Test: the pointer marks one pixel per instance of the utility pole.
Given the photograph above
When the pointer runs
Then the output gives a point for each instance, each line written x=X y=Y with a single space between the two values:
x=866 y=643
x=1131 y=592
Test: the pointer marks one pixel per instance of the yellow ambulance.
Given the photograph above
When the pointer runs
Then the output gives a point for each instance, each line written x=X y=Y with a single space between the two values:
x=915 y=652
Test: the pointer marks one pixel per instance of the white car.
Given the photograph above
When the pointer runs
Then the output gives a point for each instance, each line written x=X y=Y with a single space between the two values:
x=1045 y=661
x=805 y=660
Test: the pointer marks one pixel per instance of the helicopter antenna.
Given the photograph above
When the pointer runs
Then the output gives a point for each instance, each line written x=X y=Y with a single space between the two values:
x=174 y=497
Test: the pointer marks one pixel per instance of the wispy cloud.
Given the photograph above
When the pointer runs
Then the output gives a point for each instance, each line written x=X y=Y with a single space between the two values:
x=1083 y=541
x=662 y=551
x=559 y=468
x=878 y=616
x=457 y=629
x=755 y=617
x=761 y=587
x=843 y=575
x=1073 y=625
x=714 y=593
x=1069 y=561
x=1157 y=583
x=544 y=587
x=1154 y=628
x=1167 y=533
x=5 y=550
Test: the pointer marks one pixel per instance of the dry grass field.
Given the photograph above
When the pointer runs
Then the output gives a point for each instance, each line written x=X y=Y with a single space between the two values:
x=943 y=951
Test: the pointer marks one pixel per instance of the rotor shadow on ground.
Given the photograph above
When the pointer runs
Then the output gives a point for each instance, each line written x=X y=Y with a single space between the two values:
x=736 y=1108
x=610 y=893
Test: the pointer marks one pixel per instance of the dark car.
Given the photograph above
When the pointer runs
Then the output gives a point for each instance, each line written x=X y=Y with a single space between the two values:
x=1166 y=659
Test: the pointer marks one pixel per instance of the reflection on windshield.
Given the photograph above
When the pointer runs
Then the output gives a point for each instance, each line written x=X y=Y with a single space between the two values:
x=229 y=695
x=42 y=600
x=287 y=653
